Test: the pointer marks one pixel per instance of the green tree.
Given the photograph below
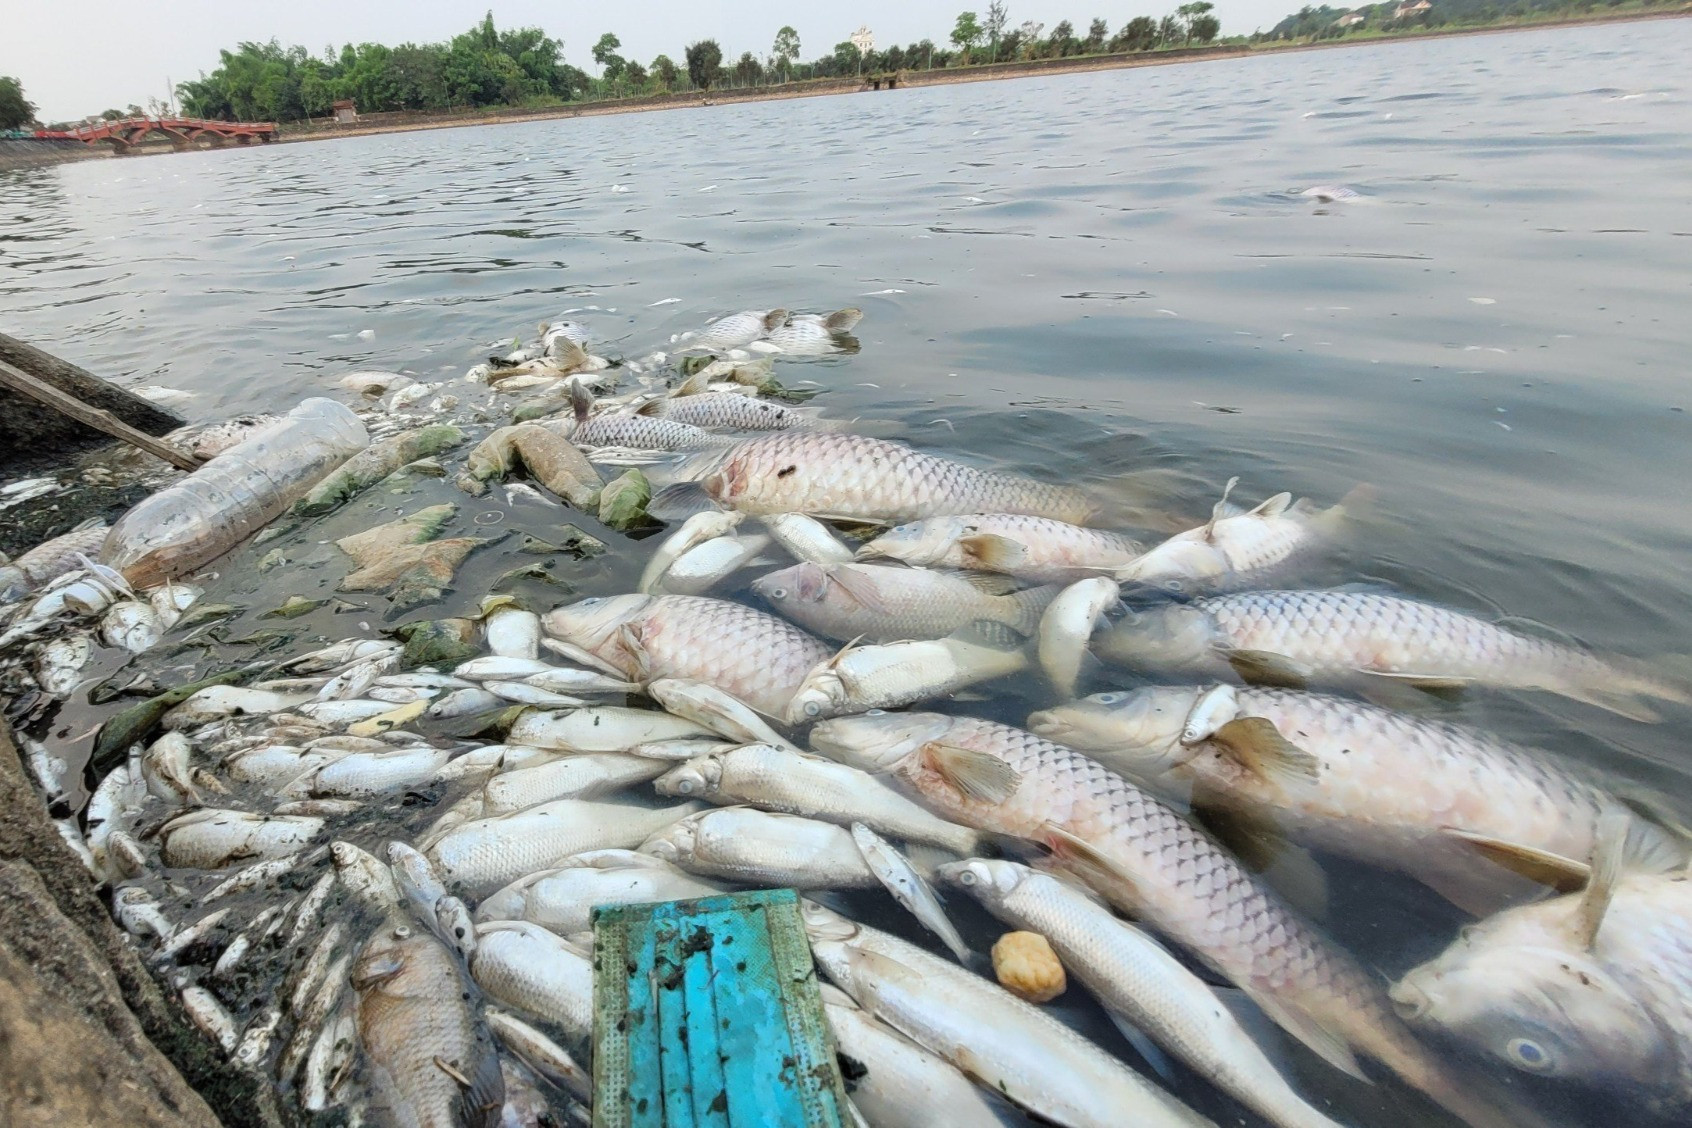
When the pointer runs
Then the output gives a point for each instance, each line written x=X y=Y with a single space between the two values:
x=635 y=74
x=1190 y=12
x=664 y=71
x=1062 y=41
x=1138 y=34
x=605 y=54
x=846 y=58
x=747 y=70
x=966 y=33
x=997 y=17
x=1170 y=31
x=1204 y=28
x=785 y=52
x=16 y=111
x=704 y=60
x=1097 y=32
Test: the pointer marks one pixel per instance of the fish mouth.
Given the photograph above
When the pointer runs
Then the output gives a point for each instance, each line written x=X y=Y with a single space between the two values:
x=1410 y=1001
x=1048 y=724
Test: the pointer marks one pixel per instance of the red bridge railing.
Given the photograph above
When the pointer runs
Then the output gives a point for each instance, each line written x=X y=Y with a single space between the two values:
x=123 y=133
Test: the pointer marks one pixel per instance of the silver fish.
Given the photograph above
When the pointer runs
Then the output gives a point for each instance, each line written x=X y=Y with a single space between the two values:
x=432 y=1061
x=729 y=411
x=736 y=329
x=585 y=776
x=861 y=678
x=854 y=477
x=754 y=847
x=1138 y=981
x=1030 y=548
x=1253 y=549
x=1402 y=792
x=806 y=539
x=694 y=531
x=1067 y=626
x=908 y=887
x=777 y=779
x=757 y=657
x=526 y=967
x=211 y=838
x=1295 y=637
x=878 y=603
x=562 y=900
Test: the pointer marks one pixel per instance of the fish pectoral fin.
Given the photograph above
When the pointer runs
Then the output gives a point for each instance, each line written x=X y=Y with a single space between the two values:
x=1607 y=857
x=994 y=552
x=1144 y=1046
x=1265 y=667
x=629 y=638
x=977 y=775
x=1328 y=1045
x=1565 y=875
x=1115 y=883
x=1258 y=746
x=1220 y=510
x=860 y=587
x=1427 y=683
x=989 y=583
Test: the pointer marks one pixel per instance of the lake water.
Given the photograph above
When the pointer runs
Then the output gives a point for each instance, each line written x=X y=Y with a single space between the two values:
x=1109 y=278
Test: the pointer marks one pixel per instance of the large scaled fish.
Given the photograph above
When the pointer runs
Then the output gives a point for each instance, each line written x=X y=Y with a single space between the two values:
x=1243 y=550
x=623 y=429
x=1155 y=865
x=736 y=329
x=1030 y=548
x=729 y=411
x=432 y=1061
x=812 y=334
x=1300 y=637
x=1398 y=791
x=757 y=657
x=854 y=477
x=1594 y=987
x=879 y=603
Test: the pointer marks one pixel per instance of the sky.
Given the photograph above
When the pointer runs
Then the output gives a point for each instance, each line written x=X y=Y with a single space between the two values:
x=77 y=57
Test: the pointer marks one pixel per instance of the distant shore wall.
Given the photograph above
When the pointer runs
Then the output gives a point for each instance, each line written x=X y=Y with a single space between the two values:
x=16 y=152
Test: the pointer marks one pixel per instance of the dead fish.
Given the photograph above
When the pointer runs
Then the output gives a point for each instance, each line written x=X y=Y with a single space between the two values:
x=1231 y=552
x=736 y=329
x=854 y=477
x=1303 y=637
x=861 y=678
x=730 y=411
x=877 y=603
x=432 y=1060
x=1030 y=548
x=758 y=658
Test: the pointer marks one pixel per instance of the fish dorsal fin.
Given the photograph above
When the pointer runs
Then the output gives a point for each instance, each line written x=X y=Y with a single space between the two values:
x=1220 y=509
x=581 y=399
x=652 y=408
x=1328 y=1045
x=842 y=320
x=775 y=319
x=1607 y=855
x=693 y=385
x=1272 y=506
x=1566 y=875
x=993 y=552
x=1258 y=746
x=988 y=583
x=569 y=355
x=977 y=775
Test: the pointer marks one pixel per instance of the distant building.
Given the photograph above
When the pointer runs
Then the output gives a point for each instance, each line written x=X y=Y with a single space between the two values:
x=1350 y=19
x=346 y=113
x=864 y=40
x=1405 y=11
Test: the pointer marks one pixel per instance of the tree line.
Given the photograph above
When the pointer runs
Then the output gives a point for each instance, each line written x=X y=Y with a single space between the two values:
x=524 y=67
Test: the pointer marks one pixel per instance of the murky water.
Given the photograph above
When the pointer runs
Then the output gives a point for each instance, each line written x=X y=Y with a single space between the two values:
x=1107 y=278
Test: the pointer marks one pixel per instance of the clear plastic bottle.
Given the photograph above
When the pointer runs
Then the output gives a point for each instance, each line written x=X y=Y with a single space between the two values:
x=192 y=523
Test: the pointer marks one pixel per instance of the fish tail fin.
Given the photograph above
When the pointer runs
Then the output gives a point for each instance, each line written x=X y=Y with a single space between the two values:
x=581 y=400
x=679 y=501
x=568 y=354
x=775 y=319
x=843 y=320
x=1359 y=501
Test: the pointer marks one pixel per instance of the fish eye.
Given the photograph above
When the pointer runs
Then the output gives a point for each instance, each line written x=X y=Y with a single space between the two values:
x=1525 y=1053
x=590 y=601
x=876 y=713
x=812 y=709
x=967 y=877
x=684 y=787
x=1108 y=698
x=1174 y=586
x=778 y=593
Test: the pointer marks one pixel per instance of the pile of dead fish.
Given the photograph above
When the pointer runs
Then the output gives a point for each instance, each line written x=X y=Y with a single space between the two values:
x=370 y=869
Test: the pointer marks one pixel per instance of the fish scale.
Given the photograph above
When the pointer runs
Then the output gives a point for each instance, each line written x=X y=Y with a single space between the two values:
x=1187 y=887
x=1047 y=549
x=638 y=432
x=856 y=477
x=755 y=656
x=729 y=409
